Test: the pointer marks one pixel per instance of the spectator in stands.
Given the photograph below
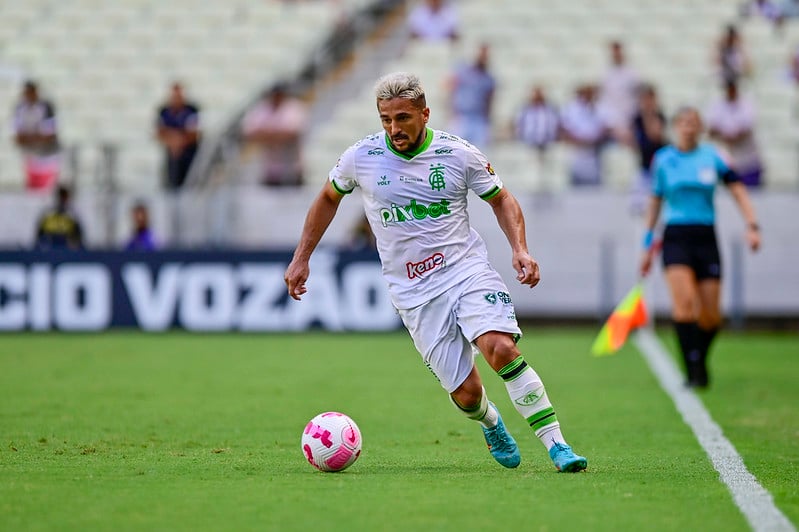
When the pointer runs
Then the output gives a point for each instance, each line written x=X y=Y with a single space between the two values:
x=789 y=9
x=471 y=90
x=178 y=129
x=766 y=9
x=142 y=238
x=277 y=124
x=617 y=93
x=35 y=133
x=434 y=20
x=537 y=124
x=649 y=133
x=731 y=123
x=59 y=227
x=586 y=131
x=793 y=67
x=732 y=60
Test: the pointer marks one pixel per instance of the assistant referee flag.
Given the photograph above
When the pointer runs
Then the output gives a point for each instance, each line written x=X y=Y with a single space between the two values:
x=628 y=315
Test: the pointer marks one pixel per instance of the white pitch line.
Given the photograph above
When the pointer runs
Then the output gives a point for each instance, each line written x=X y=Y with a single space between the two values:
x=754 y=501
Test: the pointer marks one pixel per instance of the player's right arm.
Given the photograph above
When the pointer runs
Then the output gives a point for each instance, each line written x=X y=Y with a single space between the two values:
x=322 y=211
x=652 y=216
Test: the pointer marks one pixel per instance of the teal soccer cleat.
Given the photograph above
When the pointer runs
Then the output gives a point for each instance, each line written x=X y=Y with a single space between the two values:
x=501 y=444
x=565 y=459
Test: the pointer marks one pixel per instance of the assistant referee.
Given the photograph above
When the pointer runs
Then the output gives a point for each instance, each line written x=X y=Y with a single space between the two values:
x=685 y=177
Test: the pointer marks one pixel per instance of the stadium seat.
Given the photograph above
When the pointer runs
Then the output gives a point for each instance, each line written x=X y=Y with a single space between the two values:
x=92 y=56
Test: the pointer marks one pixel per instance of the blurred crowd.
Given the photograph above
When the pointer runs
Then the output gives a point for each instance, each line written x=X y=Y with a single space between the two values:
x=618 y=109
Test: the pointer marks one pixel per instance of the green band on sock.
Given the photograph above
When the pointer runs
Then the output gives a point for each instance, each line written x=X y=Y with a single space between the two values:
x=513 y=370
x=542 y=418
x=477 y=412
x=470 y=409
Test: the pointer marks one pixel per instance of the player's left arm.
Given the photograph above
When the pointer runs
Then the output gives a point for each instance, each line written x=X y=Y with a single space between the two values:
x=741 y=197
x=511 y=221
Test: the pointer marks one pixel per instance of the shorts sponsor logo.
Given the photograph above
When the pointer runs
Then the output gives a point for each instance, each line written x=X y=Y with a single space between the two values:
x=493 y=297
x=413 y=211
x=418 y=269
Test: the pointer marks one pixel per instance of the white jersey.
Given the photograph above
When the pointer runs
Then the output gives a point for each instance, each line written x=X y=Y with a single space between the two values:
x=416 y=206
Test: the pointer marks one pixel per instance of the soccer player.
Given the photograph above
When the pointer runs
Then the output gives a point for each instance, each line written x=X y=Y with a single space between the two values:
x=685 y=178
x=415 y=182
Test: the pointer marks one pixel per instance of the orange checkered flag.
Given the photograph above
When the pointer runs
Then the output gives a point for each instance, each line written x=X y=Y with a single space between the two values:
x=627 y=316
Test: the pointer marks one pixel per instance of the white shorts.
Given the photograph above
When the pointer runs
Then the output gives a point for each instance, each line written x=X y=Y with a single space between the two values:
x=444 y=328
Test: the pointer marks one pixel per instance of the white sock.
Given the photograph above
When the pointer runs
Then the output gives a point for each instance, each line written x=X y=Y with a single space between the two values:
x=484 y=413
x=528 y=395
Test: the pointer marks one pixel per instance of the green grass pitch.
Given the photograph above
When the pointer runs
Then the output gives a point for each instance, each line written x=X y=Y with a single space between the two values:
x=130 y=431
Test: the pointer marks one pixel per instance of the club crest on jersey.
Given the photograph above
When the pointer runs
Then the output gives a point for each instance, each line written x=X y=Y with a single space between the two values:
x=418 y=269
x=490 y=169
x=413 y=211
x=436 y=178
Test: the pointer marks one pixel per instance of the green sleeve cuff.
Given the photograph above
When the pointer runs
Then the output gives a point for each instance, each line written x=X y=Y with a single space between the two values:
x=491 y=193
x=339 y=189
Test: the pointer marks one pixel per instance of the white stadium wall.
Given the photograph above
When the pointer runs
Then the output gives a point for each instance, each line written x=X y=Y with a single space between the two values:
x=587 y=242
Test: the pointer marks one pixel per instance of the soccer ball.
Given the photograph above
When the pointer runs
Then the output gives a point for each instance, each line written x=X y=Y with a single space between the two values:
x=331 y=442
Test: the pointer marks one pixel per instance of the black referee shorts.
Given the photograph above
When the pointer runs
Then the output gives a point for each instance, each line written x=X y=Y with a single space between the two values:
x=694 y=246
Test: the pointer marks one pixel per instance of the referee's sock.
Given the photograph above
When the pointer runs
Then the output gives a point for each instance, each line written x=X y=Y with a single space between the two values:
x=706 y=337
x=688 y=338
x=530 y=399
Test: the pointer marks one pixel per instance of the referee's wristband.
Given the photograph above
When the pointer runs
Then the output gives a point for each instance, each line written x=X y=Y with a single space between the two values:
x=649 y=237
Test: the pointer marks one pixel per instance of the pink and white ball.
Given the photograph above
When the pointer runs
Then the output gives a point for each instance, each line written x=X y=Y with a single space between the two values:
x=331 y=442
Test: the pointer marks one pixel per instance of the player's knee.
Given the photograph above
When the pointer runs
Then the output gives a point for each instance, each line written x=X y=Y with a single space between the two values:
x=683 y=312
x=499 y=349
x=468 y=394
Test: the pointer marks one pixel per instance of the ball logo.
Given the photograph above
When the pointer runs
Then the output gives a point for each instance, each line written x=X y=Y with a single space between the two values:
x=418 y=269
x=319 y=433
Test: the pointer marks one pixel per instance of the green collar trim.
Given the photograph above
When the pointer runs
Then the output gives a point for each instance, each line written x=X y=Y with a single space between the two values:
x=411 y=154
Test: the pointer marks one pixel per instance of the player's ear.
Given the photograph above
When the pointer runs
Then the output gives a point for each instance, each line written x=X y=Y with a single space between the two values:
x=426 y=114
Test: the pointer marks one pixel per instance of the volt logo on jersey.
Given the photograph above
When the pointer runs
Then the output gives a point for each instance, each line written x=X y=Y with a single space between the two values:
x=413 y=211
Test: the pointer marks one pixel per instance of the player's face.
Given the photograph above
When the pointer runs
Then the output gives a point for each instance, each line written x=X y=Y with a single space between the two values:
x=404 y=122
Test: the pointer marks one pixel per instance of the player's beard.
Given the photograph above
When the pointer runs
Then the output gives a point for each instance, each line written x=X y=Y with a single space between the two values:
x=412 y=145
